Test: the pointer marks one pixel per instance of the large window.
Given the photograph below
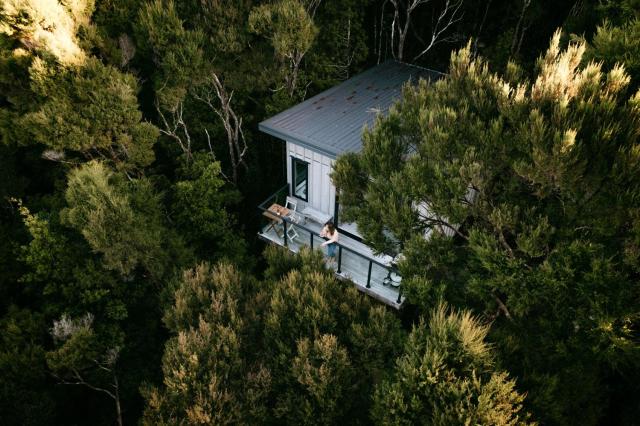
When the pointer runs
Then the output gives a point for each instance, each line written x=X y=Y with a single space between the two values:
x=300 y=175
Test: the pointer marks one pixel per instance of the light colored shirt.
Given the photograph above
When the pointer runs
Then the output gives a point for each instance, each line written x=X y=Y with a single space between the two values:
x=332 y=238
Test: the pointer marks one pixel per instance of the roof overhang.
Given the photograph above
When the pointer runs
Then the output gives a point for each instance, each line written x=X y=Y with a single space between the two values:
x=291 y=138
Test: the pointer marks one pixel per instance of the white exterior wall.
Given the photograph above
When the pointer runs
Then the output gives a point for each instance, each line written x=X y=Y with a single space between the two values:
x=322 y=193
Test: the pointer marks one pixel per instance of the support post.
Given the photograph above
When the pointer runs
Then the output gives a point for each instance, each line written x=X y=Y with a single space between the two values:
x=399 y=295
x=284 y=225
x=339 y=259
x=369 y=275
x=311 y=238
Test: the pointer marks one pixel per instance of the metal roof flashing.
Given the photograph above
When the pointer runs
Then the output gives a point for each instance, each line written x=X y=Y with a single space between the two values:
x=331 y=122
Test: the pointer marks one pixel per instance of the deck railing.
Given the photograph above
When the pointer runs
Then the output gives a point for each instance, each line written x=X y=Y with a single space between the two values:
x=280 y=196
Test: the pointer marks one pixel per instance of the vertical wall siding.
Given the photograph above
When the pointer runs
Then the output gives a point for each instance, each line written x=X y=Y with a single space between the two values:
x=322 y=193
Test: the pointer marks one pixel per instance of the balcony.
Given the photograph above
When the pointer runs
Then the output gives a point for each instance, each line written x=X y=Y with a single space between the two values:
x=372 y=274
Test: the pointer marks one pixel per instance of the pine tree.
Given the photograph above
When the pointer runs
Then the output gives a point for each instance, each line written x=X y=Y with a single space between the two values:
x=118 y=218
x=446 y=377
x=515 y=197
x=298 y=348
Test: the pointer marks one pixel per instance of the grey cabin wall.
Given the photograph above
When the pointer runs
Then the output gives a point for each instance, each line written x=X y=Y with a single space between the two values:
x=322 y=193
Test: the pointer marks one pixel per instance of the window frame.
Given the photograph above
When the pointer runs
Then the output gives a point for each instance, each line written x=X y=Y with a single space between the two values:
x=295 y=160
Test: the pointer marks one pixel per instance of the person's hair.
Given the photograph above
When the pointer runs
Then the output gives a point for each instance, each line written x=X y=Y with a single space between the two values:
x=330 y=227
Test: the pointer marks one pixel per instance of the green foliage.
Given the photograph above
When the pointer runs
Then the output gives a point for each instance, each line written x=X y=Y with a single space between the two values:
x=48 y=26
x=525 y=190
x=202 y=365
x=78 y=345
x=93 y=110
x=618 y=45
x=176 y=52
x=298 y=348
x=116 y=17
x=23 y=377
x=47 y=253
x=340 y=44
x=223 y=22
x=201 y=201
x=66 y=99
x=119 y=219
x=446 y=377
x=291 y=32
x=323 y=371
x=552 y=238
x=68 y=282
x=286 y=24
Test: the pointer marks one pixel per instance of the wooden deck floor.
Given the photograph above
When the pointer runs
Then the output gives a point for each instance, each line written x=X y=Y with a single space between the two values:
x=353 y=267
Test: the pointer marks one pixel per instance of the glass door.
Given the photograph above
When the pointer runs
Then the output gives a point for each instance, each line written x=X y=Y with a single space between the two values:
x=300 y=178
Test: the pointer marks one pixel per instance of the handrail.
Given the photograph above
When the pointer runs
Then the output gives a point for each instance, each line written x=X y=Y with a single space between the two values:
x=274 y=195
x=288 y=220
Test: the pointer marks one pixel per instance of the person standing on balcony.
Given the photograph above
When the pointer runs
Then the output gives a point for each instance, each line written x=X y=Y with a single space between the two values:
x=330 y=232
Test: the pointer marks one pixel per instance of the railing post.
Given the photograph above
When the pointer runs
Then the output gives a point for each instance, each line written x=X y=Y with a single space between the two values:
x=369 y=275
x=284 y=225
x=399 y=295
x=339 y=259
x=311 y=234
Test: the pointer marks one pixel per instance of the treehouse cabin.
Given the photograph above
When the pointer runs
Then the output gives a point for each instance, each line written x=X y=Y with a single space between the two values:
x=315 y=132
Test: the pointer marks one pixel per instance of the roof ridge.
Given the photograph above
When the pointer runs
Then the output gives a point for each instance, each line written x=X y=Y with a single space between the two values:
x=414 y=66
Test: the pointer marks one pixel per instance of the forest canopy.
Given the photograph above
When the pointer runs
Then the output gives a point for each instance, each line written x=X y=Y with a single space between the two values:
x=134 y=288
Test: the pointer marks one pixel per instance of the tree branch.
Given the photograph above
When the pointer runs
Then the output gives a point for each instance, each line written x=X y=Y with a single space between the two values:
x=79 y=380
x=232 y=124
x=447 y=17
x=502 y=306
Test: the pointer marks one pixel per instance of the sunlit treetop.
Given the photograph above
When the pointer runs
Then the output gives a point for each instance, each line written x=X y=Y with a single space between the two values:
x=48 y=26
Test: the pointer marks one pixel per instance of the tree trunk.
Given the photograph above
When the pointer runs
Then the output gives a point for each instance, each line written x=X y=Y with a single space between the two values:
x=518 y=34
x=117 y=398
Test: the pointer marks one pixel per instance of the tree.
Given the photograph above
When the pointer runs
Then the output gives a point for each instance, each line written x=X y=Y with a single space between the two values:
x=299 y=347
x=615 y=45
x=64 y=279
x=74 y=103
x=117 y=218
x=92 y=110
x=47 y=26
x=523 y=175
x=218 y=99
x=177 y=52
x=446 y=376
x=322 y=369
x=81 y=354
x=26 y=398
x=187 y=71
x=404 y=11
x=291 y=31
x=201 y=200
x=203 y=365
x=340 y=46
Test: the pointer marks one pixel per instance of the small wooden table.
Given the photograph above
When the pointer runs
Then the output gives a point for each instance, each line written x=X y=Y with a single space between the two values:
x=275 y=212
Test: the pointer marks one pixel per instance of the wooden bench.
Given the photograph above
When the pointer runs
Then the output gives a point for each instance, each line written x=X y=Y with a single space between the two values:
x=316 y=215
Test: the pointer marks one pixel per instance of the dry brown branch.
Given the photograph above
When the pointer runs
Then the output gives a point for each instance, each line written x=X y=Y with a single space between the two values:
x=402 y=22
x=311 y=6
x=108 y=365
x=433 y=220
x=176 y=128
x=449 y=15
x=216 y=97
x=502 y=306
x=127 y=49
x=520 y=29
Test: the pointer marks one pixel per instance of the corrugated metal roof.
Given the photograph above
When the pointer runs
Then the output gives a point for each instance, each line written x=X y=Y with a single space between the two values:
x=331 y=122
